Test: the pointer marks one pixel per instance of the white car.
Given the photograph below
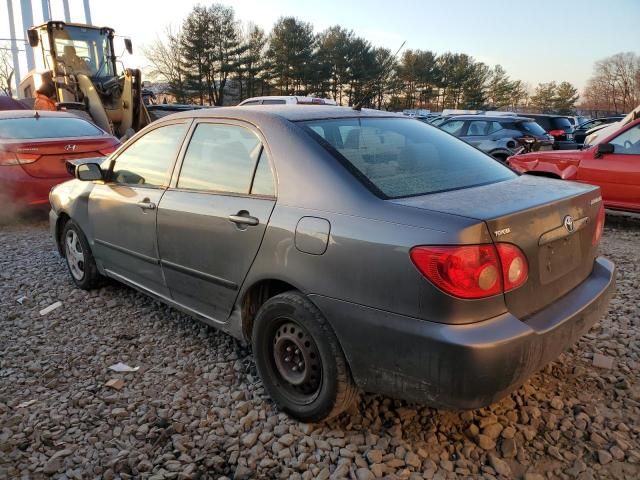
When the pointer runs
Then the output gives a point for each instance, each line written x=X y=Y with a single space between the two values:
x=286 y=100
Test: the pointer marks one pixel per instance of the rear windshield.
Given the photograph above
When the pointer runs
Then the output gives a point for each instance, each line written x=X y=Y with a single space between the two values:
x=561 y=123
x=30 y=128
x=398 y=157
x=532 y=127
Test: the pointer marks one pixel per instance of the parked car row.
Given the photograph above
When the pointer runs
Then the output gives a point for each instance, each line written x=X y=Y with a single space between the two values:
x=581 y=131
x=612 y=163
x=499 y=136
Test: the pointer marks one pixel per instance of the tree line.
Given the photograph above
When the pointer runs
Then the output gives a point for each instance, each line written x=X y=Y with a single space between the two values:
x=213 y=56
x=615 y=84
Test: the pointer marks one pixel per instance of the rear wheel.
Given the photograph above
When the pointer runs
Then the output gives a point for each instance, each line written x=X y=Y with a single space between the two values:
x=80 y=261
x=300 y=360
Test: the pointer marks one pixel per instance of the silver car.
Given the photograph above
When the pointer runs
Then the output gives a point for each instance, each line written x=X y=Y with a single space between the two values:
x=354 y=250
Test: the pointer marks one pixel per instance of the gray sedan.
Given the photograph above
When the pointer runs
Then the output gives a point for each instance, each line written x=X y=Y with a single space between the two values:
x=354 y=250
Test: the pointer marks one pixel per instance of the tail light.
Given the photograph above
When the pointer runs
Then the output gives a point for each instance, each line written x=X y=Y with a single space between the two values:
x=109 y=150
x=557 y=133
x=10 y=158
x=597 y=232
x=514 y=265
x=7 y=159
x=472 y=271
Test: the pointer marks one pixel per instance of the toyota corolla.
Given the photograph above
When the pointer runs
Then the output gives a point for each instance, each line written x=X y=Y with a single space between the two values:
x=354 y=250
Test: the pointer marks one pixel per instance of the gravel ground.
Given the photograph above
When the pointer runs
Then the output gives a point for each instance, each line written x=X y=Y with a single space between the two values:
x=196 y=407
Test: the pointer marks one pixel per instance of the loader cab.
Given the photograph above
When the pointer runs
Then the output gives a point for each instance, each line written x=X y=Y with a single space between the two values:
x=79 y=62
x=71 y=49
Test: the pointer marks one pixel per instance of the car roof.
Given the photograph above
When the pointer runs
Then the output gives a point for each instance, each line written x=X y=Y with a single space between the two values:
x=32 y=113
x=545 y=115
x=497 y=118
x=300 y=113
x=613 y=117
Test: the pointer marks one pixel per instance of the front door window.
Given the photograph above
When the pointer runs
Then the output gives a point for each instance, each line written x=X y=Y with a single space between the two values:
x=148 y=161
x=628 y=143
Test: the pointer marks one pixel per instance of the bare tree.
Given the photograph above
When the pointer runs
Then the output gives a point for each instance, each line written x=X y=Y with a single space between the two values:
x=615 y=84
x=166 y=63
x=6 y=71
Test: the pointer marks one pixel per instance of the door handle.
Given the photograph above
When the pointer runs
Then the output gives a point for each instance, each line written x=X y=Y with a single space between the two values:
x=147 y=205
x=245 y=219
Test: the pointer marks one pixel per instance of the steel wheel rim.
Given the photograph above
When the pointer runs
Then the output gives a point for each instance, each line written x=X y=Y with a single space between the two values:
x=296 y=362
x=74 y=254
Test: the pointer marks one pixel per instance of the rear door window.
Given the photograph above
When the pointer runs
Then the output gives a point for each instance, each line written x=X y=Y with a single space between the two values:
x=454 y=127
x=220 y=158
x=494 y=127
x=263 y=182
x=400 y=157
x=31 y=128
x=477 y=128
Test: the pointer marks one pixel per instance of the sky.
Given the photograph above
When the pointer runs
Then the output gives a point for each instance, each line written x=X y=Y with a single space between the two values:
x=536 y=41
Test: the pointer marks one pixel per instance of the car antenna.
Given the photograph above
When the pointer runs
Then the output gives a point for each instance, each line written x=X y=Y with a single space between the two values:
x=383 y=73
x=36 y=115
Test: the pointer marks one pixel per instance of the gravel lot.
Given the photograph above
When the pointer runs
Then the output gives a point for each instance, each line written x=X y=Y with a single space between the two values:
x=196 y=407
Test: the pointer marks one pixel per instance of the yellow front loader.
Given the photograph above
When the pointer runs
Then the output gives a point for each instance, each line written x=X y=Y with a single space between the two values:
x=79 y=63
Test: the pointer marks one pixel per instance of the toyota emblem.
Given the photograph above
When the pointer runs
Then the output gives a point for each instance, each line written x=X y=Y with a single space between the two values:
x=568 y=223
x=70 y=148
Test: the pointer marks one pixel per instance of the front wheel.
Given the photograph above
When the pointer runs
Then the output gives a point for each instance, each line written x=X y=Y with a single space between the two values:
x=80 y=261
x=300 y=360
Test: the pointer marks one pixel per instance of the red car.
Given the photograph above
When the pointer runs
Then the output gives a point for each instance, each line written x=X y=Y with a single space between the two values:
x=613 y=164
x=34 y=147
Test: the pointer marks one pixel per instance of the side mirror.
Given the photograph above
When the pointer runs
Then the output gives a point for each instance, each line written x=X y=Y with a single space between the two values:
x=32 y=34
x=128 y=45
x=605 y=148
x=88 y=172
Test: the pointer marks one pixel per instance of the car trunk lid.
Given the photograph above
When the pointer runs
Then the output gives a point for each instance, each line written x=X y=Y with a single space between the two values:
x=45 y=158
x=534 y=214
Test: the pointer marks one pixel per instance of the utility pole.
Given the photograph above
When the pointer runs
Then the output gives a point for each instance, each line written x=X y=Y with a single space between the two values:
x=67 y=14
x=14 y=45
x=27 y=22
x=87 y=12
x=46 y=10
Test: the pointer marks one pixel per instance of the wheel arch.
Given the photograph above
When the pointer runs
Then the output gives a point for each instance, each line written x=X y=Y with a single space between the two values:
x=254 y=296
x=63 y=218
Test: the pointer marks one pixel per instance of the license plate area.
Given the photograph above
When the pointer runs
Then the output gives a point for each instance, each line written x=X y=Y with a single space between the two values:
x=558 y=258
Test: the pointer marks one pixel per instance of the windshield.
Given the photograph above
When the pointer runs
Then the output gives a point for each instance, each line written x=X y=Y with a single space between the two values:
x=30 y=128
x=400 y=157
x=84 y=50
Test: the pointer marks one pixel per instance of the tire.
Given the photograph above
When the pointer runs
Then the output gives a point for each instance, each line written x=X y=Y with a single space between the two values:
x=290 y=331
x=77 y=253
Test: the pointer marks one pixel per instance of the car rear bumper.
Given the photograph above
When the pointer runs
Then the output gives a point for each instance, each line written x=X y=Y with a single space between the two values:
x=463 y=366
x=23 y=190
